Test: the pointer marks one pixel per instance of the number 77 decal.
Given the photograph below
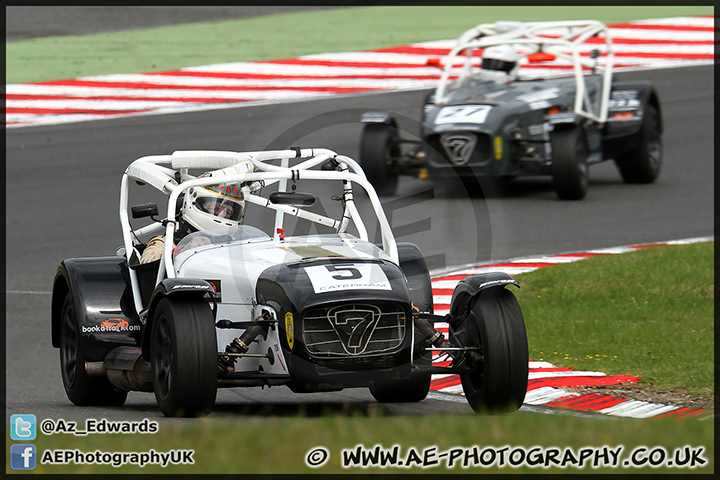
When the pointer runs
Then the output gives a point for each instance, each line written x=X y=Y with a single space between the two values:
x=463 y=114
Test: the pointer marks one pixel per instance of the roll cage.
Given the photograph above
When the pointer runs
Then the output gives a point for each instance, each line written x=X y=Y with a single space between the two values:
x=170 y=174
x=562 y=40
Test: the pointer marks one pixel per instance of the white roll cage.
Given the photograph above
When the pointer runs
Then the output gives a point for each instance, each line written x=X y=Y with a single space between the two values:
x=562 y=39
x=170 y=175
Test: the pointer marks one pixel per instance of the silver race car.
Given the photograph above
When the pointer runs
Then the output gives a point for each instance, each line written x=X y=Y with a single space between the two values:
x=523 y=99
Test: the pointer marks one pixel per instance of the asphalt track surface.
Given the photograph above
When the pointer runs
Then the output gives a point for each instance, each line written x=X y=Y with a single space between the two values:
x=63 y=189
x=44 y=21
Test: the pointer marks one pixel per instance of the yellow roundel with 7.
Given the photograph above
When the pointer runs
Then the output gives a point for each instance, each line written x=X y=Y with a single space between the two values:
x=290 y=329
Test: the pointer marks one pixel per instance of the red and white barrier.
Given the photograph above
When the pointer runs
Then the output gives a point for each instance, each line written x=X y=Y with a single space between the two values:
x=545 y=380
x=644 y=44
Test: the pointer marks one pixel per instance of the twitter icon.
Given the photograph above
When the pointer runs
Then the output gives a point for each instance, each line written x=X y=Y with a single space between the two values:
x=23 y=427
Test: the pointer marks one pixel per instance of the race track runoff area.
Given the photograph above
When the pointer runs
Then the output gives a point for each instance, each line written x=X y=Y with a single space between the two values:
x=644 y=44
x=545 y=380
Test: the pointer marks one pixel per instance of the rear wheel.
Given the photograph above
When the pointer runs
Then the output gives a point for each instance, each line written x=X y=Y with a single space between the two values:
x=642 y=164
x=379 y=154
x=81 y=389
x=499 y=380
x=569 y=163
x=184 y=358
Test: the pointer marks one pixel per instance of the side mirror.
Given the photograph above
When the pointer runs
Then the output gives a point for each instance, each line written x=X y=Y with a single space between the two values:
x=147 y=210
x=296 y=199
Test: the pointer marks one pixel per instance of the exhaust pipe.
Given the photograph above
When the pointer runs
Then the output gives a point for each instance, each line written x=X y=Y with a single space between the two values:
x=95 y=369
x=125 y=368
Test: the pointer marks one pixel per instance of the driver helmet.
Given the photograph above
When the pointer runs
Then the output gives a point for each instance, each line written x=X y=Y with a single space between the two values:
x=501 y=59
x=214 y=207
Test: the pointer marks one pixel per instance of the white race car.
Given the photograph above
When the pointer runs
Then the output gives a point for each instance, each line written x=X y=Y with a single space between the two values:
x=226 y=304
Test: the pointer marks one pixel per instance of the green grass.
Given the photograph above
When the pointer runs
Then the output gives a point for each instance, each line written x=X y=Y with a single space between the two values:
x=647 y=313
x=281 y=36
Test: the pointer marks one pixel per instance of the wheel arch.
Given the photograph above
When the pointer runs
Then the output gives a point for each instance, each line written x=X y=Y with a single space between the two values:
x=622 y=137
x=469 y=287
x=98 y=289
x=378 y=117
x=647 y=94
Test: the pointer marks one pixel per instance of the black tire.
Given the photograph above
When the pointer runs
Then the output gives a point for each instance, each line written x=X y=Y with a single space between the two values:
x=415 y=388
x=412 y=389
x=643 y=163
x=379 y=153
x=569 y=163
x=495 y=322
x=81 y=389
x=475 y=187
x=413 y=265
x=184 y=357
x=429 y=100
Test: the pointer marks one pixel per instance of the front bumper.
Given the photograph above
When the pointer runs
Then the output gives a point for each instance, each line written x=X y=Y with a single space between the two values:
x=352 y=343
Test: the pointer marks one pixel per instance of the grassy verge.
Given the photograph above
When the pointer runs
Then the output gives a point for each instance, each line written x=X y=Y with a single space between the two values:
x=647 y=313
x=281 y=36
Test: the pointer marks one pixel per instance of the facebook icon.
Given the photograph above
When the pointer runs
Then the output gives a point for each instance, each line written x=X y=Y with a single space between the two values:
x=22 y=457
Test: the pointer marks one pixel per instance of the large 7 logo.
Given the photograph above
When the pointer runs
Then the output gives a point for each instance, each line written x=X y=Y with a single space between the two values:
x=350 y=276
x=354 y=325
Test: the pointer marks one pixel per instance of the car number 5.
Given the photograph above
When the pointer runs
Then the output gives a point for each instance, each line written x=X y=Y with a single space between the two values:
x=342 y=277
x=348 y=272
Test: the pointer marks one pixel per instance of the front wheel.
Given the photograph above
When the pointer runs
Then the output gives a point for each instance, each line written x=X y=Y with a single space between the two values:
x=379 y=154
x=184 y=358
x=495 y=324
x=81 y=389
x=569 y=163
x=642 y=164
